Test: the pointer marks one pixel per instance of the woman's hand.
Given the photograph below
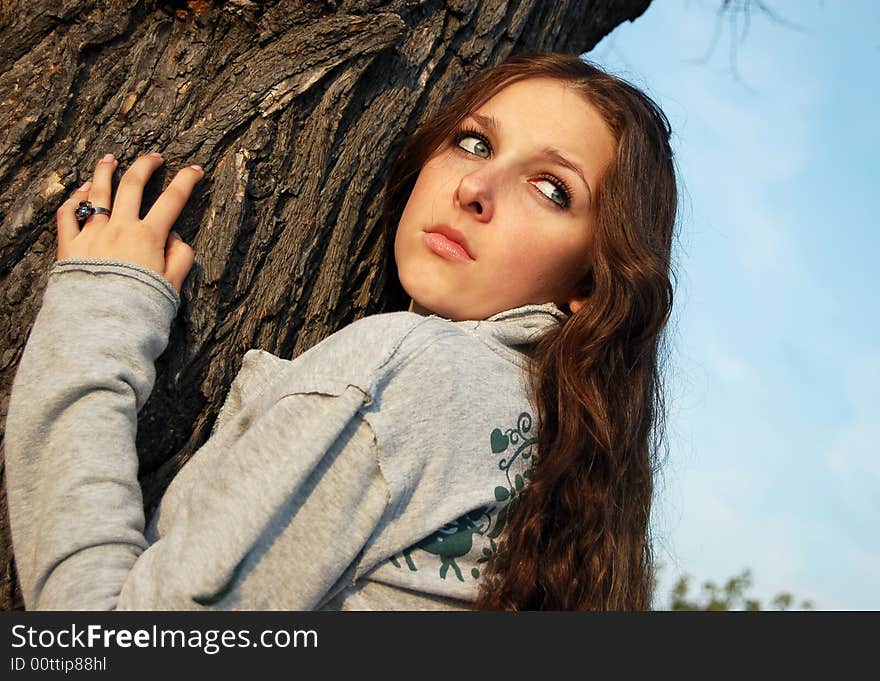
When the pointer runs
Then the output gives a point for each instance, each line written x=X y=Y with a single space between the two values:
x=124 y=236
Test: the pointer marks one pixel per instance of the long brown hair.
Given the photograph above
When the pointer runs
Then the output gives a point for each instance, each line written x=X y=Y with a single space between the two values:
x=578 y=535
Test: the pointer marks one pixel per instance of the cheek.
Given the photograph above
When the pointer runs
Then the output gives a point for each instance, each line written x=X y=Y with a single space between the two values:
x=533 y=261
x=417 y=214
x=422 y=196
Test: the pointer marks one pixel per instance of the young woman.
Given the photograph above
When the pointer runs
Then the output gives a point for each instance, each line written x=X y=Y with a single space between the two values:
x=492 y=447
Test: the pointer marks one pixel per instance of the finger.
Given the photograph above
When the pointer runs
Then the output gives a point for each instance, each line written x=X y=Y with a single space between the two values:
x=179 y=258
x=102 y=189
x=131 y=186
x=68 y=225
x=168 y=206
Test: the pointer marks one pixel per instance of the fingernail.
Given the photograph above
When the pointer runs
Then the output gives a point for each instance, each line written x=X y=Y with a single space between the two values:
x=85 y=186
x=199 y=168
x=156 y=154
x=107 y=158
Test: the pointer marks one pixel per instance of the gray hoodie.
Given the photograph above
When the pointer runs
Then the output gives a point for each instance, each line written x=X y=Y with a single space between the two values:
x=372 y=472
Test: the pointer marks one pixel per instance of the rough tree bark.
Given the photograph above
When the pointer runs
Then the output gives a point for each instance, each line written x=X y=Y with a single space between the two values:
x=294 y=110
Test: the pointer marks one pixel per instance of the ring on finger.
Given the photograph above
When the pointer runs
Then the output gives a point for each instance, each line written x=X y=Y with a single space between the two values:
x=86 y=209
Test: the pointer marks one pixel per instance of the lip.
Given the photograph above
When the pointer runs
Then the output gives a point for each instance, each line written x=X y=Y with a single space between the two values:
x=452 y=242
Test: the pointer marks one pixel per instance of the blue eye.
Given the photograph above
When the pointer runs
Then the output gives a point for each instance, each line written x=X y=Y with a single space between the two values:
x=560 y=194
x=479 y=149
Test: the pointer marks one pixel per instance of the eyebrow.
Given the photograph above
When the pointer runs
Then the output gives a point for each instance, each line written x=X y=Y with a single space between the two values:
x=493 y=125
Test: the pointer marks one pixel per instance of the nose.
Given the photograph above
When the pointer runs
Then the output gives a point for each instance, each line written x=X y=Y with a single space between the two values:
x=474 y=194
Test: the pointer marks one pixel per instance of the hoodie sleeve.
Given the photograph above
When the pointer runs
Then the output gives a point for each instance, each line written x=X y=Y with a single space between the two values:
x=252 y=501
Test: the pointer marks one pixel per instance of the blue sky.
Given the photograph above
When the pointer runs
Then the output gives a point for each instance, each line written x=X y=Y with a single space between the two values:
x=775 y=366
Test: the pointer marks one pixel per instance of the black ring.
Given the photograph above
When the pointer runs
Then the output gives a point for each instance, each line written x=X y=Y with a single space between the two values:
x=86 y=209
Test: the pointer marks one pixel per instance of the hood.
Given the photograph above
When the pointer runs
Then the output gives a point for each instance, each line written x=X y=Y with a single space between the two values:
x=512 y=332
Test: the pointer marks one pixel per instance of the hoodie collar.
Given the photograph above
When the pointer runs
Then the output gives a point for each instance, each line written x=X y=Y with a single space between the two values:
x=510 y=333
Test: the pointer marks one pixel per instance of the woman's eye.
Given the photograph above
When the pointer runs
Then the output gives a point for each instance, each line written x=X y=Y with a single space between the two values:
x=556 y=195
x=474 y=145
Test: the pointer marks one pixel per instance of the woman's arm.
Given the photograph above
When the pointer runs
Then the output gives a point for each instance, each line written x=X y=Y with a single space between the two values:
x=272 y=511
x=75 y=506
x=88 y=369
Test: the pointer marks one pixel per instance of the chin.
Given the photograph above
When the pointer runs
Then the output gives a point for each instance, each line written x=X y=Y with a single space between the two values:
x=419 y=305
x=427 y=305
x=417 y=308
x=425 y=295
x=432 y=291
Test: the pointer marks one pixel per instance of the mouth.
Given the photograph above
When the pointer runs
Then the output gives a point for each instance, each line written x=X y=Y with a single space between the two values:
x=448 y=242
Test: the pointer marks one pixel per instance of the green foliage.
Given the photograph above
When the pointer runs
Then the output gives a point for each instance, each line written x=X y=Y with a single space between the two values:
x=730 y=596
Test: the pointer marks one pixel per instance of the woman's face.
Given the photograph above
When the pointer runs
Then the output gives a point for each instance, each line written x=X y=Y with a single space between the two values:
x=519 y=193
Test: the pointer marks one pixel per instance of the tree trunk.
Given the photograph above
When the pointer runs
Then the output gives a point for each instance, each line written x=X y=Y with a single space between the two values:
x=294 y=109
